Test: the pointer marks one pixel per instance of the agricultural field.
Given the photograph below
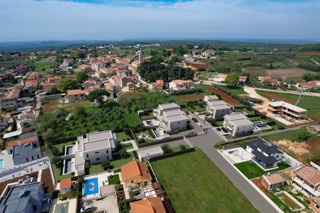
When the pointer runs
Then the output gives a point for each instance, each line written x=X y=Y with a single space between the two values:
x=311 y=103
x=200 y=185
x=48 y=106
x=224 y=96
x=84 y=120
x=42 y=66
x=235 y=90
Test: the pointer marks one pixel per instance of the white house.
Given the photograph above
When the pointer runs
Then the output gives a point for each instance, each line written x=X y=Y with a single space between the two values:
x=218 y=108
x=171 y=118
x=181 y=84
x=95 y=147
x=238 y=124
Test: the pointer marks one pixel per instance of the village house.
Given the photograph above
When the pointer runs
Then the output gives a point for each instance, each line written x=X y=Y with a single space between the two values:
x=65 y=186
x=9 y=99
x=238 y=124
x=148 y=205
x=75 y=95
x=24 y=150
x=265 y=154
x=135 y=173
x=181 y=84
x=315 y=204
x=272 y=181
x=307 y=85
x=307 y=180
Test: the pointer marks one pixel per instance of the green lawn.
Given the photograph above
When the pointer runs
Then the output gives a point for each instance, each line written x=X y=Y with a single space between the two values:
x=234 y=90
x=42 y=66
x=117 y=162
x=97 y=168
x=252 y=170
x=294 y=135
x=132 y=119
x=311 y=103
x=194 y=184
x=57 y=173
x=122 y=136
x=62 y=145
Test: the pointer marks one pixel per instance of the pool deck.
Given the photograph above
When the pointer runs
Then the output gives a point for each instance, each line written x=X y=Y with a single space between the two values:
x=102 y=180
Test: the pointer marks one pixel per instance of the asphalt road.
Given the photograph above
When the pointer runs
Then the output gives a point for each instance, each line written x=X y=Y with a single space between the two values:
x=206 y=143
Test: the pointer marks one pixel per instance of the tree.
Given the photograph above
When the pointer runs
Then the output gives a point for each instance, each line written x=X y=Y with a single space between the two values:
x=81 y=76
x=81 y=55
x=180 y=50
x=232 y=79
x=123 y=154
x=96 y=95
x=65 y=84
x=102 y=75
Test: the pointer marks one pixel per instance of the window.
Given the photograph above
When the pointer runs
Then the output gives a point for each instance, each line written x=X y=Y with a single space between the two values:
x=317 y=206
x=87 y=155
x=96 y=153
x=107 y=151
x=97 y=159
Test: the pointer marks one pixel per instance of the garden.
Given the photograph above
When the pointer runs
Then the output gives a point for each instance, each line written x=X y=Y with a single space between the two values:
x=251 y=170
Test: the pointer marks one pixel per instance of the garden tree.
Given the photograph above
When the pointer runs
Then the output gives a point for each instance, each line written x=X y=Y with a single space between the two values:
x=152 y=71
x=123 y=154
x=81 y=55
x=97 y=95
x=52 y=91
x=232 y=79
x=57 y=161
x=180 y=50
x=65 y=84
x=81 y=76
x=80 y=112
x=166 y=149
x=105 y=165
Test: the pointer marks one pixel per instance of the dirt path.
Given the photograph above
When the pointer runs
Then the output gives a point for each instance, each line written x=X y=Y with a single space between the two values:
x=253 y=94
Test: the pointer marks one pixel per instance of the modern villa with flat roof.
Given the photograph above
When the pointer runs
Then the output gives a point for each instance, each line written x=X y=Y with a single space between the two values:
x=95 y=147
x=171 y=118
x=218 y=109
x=238 y=124
x=285 y=109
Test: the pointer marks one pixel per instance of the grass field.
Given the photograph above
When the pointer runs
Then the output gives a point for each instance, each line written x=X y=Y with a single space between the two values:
x=311 y=103
x=252 y=170
x=294 y=135
x=42 y=66
x=132 y=119
x=234 y=90
x=51 y=105
x=194 y=184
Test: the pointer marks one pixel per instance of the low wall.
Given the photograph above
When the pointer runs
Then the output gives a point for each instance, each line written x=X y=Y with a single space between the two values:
x=315 y=165
x=171 y=154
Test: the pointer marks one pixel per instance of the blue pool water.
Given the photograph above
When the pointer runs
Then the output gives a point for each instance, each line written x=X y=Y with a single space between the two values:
x=91 y=186
x=1 y=164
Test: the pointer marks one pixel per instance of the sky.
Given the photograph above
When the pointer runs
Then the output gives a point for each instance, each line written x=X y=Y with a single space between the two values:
x=36 y=20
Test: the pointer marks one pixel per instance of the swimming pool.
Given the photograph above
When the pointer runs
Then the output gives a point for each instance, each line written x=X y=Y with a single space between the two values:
x=91 y=186
x=1 y=164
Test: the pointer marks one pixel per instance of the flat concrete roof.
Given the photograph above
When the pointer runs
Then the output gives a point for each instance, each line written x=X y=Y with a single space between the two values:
x=216 y=103
x=236 y=116
x=150 y=151
x=287 y=105
x=174 y=118
x=172 y=112
x=168 y=106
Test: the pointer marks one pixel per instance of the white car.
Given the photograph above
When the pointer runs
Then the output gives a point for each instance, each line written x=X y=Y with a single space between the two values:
x=87 y=208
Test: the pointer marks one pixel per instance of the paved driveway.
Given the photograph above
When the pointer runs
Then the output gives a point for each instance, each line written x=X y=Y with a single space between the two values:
x=206 y=143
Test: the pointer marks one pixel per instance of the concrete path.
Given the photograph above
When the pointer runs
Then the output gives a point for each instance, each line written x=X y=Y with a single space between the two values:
x=206 y=144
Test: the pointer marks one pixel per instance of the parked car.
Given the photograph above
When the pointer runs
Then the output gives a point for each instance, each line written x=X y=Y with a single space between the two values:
x=195 y=120
x=87 y=208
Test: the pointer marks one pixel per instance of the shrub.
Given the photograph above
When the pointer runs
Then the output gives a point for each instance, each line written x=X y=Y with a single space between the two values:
x=166 y=149
x=124 y=154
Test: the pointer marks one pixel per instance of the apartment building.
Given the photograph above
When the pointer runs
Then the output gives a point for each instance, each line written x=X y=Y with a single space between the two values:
x=238 y=124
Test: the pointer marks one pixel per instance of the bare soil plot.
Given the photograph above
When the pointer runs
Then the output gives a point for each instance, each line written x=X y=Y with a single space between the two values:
x=47 y=181
x=224 y=96
x=311 y=53
x=186 y=98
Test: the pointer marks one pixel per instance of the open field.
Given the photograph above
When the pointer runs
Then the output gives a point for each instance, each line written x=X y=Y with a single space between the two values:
x=194 y=184
x=252 y=170
x=235 y=90
x=42 y=66
x=224 y=96
x=286 y=74
x=313 y=53
x=311 y=103
x=51 y=105
x=298 y=143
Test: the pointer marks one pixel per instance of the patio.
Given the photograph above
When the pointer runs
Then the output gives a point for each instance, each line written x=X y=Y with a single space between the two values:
x=237 y=155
